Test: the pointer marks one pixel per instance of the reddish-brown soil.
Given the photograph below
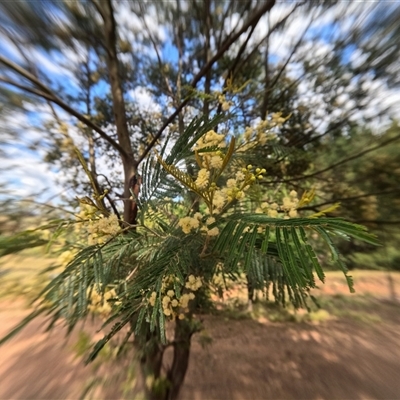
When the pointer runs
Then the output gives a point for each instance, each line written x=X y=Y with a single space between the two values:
x=335 y=360
x=342 y=358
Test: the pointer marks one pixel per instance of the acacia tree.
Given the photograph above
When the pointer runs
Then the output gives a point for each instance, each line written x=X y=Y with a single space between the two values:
x=160 y=270
x=206 y=130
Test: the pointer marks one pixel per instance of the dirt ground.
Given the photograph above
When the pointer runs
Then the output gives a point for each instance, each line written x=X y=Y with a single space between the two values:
x=338 y=358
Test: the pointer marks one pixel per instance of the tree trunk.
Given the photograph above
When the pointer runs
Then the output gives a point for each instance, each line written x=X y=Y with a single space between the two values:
x=151 y=384
x=177 y=372
x=128 y=160
x=150 y=365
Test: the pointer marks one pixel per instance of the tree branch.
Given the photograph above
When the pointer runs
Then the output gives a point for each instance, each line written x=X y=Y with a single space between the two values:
x=160 y=64
x=348 y=199
x=353 y=157
x=128 y=161
x=47 y=94
x=225 y=46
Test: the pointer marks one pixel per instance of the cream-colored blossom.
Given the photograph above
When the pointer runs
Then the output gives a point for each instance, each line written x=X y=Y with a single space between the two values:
x=287 y=203
x=202 y=178
x=274 y=206
x=239 y=195
x=262 y=125
x=293 y=213
x=193 y=283
x=213 y=232
x=170 y=293
x=219 y=199
x=101 y=229
x=216 y=162
x=262 y=138
x=211 y=138
x=165 y=301
x=210 y=220
x=174 y=303
x=239 y=176
x=272 y=213
x=226 y=105
x=198 y=216
x=188 y=223
x=293 y=193
x=184 y=300
x=277 y=119
x=248 y=132
x=231 y=183
x=152 y=299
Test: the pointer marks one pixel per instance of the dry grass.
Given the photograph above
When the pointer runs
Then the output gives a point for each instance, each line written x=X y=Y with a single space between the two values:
x=25 y=273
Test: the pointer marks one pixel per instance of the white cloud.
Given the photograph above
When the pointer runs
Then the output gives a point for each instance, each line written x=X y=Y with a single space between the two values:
x=144 y=100
x=358 y=58
x=26 y=174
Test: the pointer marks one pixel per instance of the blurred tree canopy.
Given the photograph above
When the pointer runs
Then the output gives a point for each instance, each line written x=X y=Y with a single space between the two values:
x=305 y=90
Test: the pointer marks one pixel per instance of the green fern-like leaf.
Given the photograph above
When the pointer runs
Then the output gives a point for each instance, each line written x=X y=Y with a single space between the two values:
x=296 y=256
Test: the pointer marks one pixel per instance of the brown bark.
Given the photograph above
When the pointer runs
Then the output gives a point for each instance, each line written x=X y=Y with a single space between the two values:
x=128 y=161
x=150 y=366
x=177 y=372
x=207 y=55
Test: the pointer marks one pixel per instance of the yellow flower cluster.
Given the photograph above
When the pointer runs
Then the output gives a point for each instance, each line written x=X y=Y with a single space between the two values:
x=210 y=139
x=87 y=211
x=174 y=307
x=289 y=207
x=270 y=209
x=203 y=177
x=210 y=162
x=277 y=119
x=102 y=229
x=290 y=204
x=260 y=133
x=188 y=224
x=225 y=104
x=235 y=187
x=193 y=283
x=99 y=227
x=192 y=223
x=99 y=304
